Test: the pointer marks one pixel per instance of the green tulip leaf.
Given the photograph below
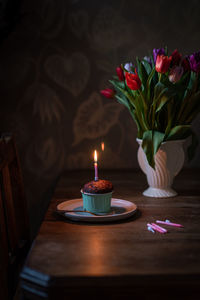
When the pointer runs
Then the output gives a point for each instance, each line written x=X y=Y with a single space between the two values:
x=179 y=132
x=159 y=89
x=162 y=95
x=147 y=66
x=138 y=124
x=192 y=81
x=191 y=107
x=151 y=143
x=123 y=100
x=149 y=84
x=142 y=73
x=162 y=101
x=121 y=89
x=119 y=84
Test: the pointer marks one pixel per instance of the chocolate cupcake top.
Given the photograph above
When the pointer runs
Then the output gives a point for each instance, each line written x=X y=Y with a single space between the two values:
x=98 y=187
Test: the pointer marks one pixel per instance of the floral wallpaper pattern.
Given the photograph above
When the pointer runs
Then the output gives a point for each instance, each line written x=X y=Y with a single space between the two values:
x=52 y=66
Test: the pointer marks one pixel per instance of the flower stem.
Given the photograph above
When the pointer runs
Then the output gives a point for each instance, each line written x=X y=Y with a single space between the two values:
x=144 y=101
x=145 y=118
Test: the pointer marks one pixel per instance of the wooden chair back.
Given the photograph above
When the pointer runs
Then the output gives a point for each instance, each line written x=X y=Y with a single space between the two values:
x=14 y=225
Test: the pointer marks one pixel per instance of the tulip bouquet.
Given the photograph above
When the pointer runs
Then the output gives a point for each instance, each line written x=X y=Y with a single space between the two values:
x=162 y=94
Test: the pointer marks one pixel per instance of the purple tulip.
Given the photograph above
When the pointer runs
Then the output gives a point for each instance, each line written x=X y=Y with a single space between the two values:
x=175 y=74
x=194 y=60
x=159 y=51
x=129 y=67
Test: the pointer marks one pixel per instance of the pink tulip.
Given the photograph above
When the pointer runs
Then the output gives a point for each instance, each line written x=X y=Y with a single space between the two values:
x=175 y=74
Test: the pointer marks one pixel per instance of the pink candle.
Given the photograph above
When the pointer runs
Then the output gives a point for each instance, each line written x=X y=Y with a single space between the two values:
x=159 y=227
x=169 y=223
x=95 y=166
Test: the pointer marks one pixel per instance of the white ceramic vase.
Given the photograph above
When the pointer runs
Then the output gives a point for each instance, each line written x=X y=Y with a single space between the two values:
x=168 y=162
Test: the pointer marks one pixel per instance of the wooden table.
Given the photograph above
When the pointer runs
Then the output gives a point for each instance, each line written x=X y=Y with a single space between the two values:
x=120 y=260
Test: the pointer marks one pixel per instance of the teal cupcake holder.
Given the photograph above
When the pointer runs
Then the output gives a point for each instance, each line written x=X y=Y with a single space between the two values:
x=97 y=203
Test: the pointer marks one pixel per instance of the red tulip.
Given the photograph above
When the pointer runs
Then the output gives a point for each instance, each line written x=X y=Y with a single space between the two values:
x=108 y=93
x=186 y=65
x=133 y=81
x=163 y=63
x=176 y=58
x=120 y=73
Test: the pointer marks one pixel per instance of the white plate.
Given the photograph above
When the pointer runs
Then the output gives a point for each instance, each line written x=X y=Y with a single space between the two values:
x=120 y=209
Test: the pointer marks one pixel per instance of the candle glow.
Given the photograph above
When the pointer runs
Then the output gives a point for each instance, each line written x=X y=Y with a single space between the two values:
x=95 y=166
x=95 y=156
x=102 y=146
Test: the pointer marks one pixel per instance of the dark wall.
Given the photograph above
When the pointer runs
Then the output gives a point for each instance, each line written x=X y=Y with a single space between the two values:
x=53 y=64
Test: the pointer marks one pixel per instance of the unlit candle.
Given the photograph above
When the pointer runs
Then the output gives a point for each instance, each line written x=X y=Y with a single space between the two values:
x=169 y=223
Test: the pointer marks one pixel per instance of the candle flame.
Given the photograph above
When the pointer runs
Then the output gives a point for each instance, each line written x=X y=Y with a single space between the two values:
x=95 y=155
x=102 y=146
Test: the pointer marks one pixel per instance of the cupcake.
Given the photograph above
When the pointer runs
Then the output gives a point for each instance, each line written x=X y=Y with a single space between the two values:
x=97 y=196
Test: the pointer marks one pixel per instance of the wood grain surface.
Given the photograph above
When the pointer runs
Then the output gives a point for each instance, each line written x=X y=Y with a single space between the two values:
x=119 y=260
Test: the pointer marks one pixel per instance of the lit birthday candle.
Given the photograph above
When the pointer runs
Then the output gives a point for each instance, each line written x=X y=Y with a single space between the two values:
x=95 y=166
x=102 y=146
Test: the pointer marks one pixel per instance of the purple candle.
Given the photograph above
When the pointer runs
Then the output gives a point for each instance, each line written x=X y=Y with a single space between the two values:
x=95 y=166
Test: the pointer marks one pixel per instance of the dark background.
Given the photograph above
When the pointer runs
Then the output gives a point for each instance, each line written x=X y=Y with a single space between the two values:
x=55 y=56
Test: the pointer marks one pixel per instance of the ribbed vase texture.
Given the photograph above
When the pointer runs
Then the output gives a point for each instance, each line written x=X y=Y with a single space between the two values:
x=168 y=162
